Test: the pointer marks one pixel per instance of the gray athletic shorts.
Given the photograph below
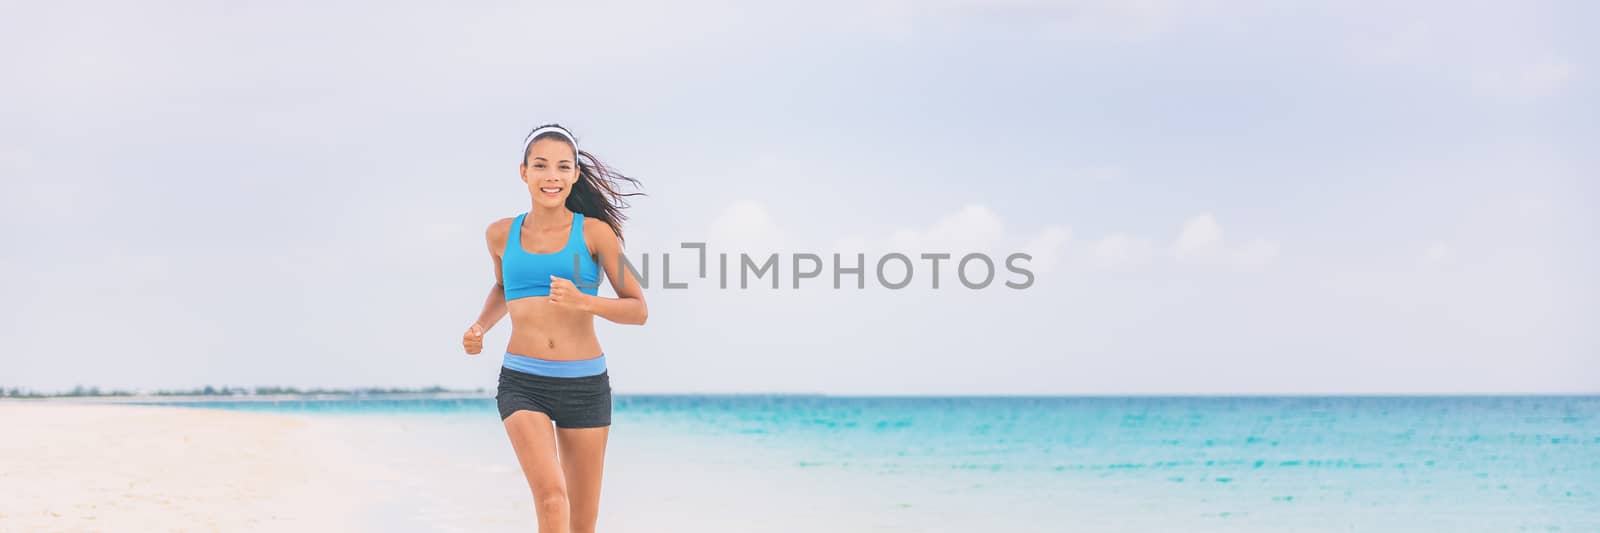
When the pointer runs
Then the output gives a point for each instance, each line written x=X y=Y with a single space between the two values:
x=572 y=402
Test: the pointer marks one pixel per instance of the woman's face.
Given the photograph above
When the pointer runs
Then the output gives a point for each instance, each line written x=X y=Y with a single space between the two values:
x=550 y=171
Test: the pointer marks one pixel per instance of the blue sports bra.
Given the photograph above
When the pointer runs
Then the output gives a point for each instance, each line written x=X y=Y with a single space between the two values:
x=525 y=274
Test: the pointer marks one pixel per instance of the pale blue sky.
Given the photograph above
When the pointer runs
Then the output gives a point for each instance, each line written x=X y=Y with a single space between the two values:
x=1226 y=197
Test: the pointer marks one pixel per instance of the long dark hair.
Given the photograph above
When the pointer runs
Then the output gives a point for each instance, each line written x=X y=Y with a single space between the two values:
x=598 y=192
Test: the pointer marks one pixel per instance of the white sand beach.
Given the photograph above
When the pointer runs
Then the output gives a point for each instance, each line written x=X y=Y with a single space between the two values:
x=83 y=466
x=86 y=467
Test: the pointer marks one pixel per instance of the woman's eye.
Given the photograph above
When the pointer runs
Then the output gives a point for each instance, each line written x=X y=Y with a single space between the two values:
x=566 y=168
x=538 y=166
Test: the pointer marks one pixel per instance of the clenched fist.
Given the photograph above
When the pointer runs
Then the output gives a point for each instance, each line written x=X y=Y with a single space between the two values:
x=472 y=340
x=563 y=292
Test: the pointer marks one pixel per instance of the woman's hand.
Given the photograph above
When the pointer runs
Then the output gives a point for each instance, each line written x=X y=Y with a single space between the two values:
x=472 y=340
x=564 y=293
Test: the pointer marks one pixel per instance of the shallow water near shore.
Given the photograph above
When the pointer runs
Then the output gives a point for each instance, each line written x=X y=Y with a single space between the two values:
x=782 y=463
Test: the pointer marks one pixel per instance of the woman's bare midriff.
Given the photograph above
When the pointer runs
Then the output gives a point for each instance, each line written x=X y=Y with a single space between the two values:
x=550 y=331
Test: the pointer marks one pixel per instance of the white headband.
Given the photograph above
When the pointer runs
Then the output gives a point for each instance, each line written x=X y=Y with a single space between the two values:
x=557 y=129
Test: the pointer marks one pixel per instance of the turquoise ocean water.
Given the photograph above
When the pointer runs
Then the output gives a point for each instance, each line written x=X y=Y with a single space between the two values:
x=1406 y=463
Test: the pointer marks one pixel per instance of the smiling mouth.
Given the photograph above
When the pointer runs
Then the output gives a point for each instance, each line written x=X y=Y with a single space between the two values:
x=550 y=190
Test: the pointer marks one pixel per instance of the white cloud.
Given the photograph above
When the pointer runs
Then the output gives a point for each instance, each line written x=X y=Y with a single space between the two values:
x=974 y=227
x=1200 y=238
x=1201 y=243
x=1046 y=247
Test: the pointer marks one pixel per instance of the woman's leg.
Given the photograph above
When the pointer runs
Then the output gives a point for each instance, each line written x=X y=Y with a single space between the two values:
x=583 y=456
x=533 y=438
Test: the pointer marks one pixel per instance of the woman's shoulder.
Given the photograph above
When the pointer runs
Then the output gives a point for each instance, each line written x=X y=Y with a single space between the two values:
x=598 y=232
x=595 y=224
x=498 y=230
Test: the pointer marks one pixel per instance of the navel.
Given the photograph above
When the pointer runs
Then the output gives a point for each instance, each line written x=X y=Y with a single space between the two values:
x=552 y=344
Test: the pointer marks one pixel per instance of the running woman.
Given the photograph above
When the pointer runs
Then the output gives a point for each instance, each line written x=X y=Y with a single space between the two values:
x=547 y=264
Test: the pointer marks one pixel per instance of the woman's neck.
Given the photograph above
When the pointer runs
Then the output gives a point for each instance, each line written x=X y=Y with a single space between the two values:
x=549 y=217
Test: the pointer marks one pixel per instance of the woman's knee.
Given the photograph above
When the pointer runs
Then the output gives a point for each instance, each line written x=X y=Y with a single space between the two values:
x=552 y=500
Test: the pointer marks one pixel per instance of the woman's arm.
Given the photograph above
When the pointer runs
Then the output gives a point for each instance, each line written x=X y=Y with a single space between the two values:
x=494 y=307
x=628 y=307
